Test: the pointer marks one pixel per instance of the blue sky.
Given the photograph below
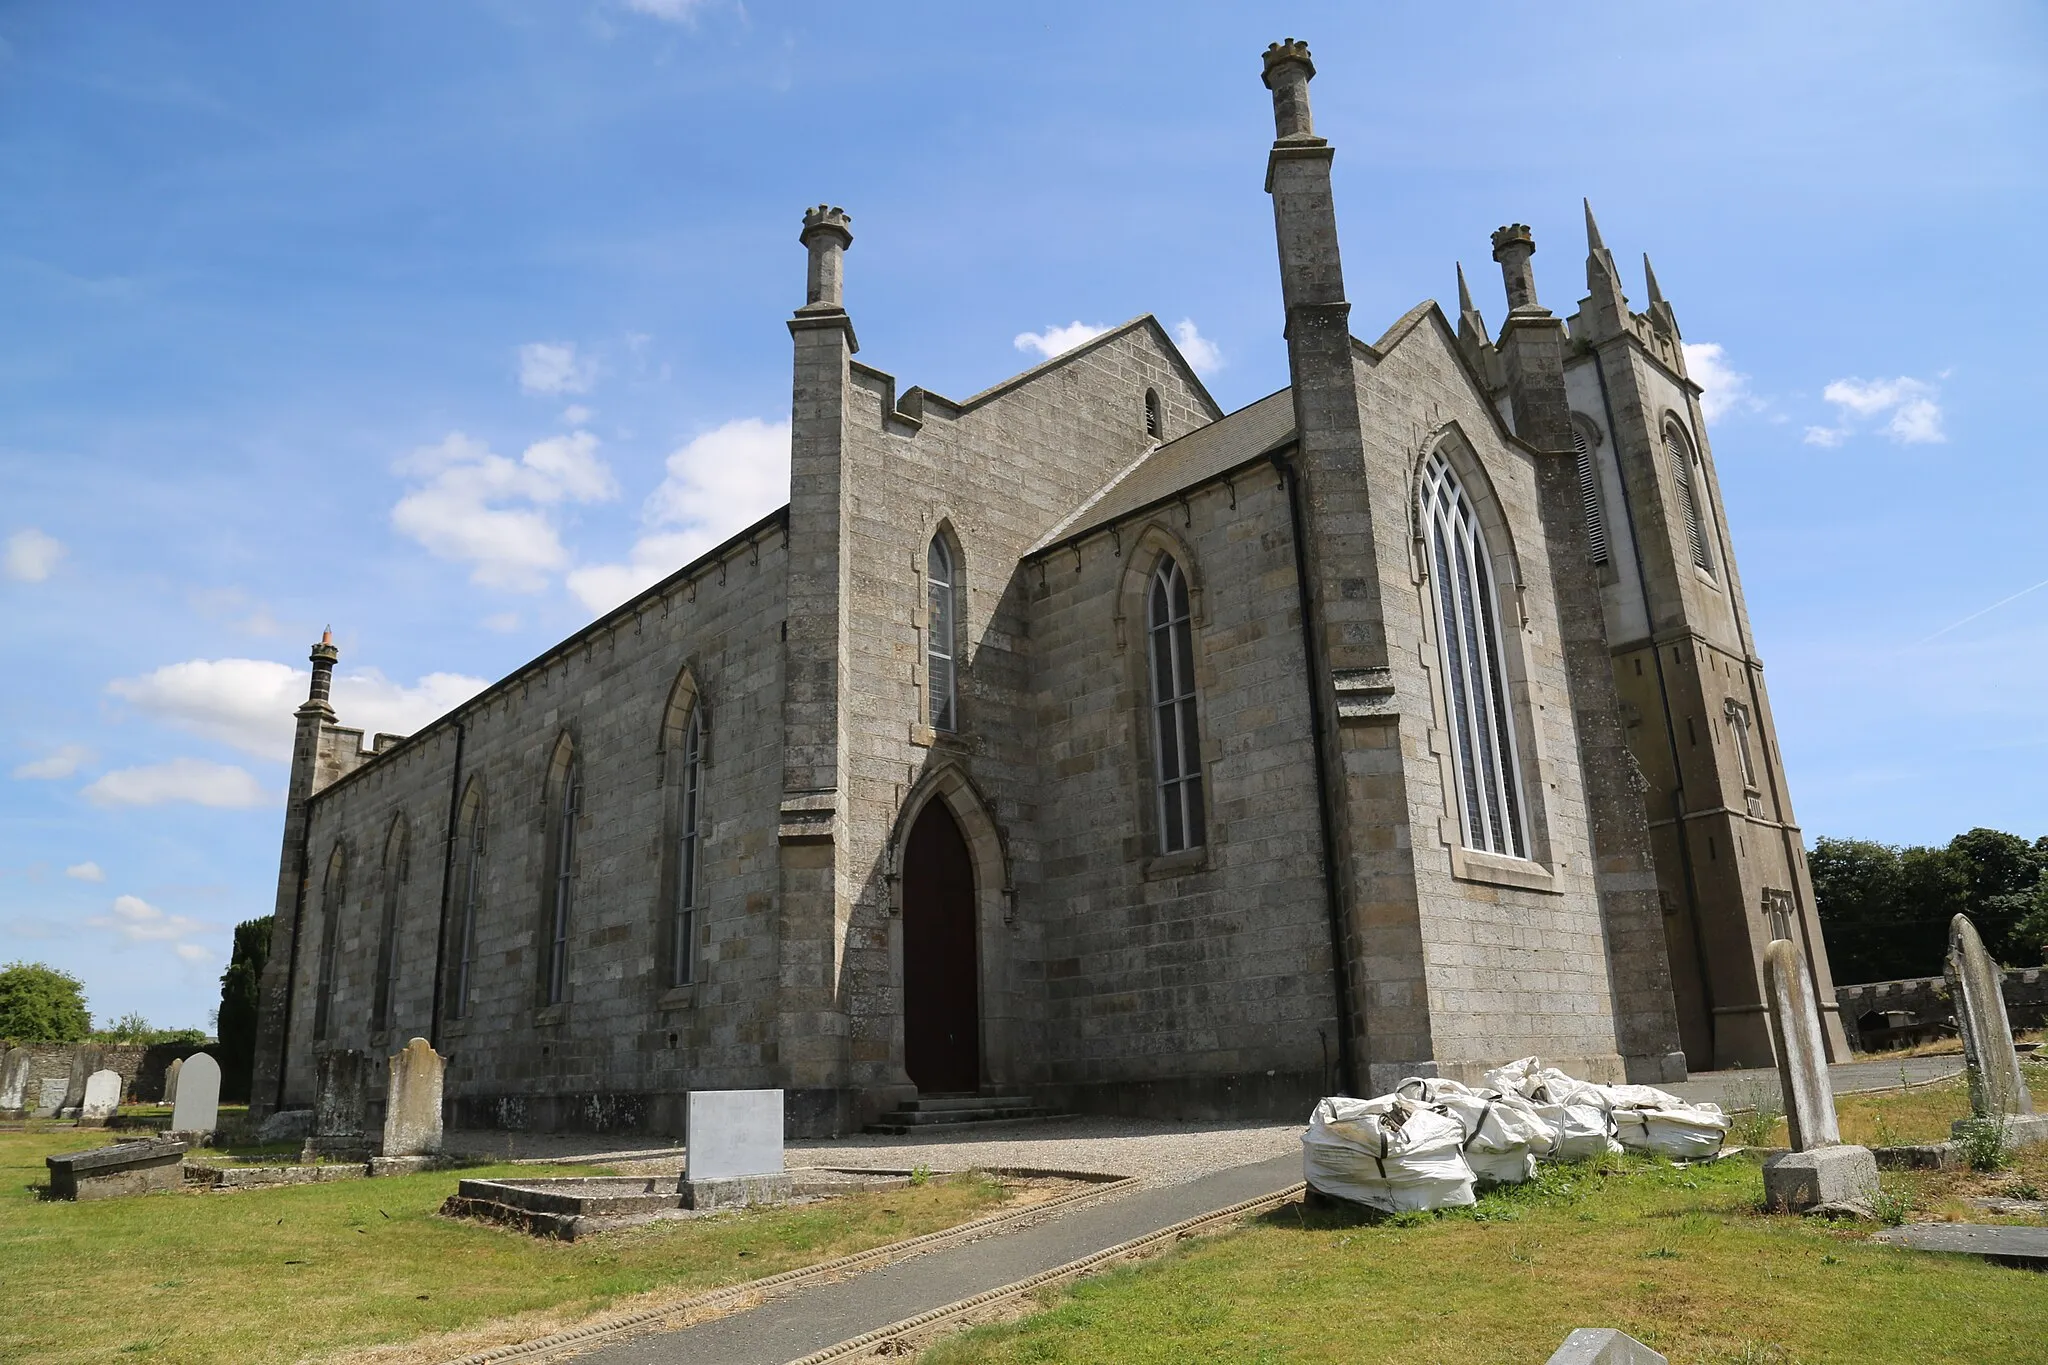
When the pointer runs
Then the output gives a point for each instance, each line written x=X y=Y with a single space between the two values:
x=448 y=324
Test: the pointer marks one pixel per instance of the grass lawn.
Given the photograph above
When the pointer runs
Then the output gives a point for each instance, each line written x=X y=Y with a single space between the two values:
x=1678 y=1258
x=315 y=1270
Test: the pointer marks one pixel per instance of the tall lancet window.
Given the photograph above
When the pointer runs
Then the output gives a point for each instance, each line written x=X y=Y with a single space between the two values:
x=397 y=870
x=1589 y=495
x=471 y=891
x=1177 y=745
x=683 y=925
x=333 y=890
x=1489 y=779
x=940 y=643
x=564 y=901
x=1685 y=472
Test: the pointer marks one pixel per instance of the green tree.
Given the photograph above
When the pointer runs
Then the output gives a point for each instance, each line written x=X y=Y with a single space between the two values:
x=239 y=986
x=40 y=1004
x=1885 y=909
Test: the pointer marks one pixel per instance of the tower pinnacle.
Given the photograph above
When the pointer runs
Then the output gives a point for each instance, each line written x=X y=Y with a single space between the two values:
x=826 y=235
x=1513 y=245
x=1287 y=73
x=323 y=657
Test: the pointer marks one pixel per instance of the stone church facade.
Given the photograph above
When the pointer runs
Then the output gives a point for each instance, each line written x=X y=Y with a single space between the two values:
x=1081 y=740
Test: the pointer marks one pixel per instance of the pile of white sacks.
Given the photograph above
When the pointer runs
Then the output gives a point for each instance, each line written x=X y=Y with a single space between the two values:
x=1425 y=1145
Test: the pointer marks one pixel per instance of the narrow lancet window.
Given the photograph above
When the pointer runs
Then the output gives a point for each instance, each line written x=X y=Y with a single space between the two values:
x=683 y=929
x=1155 y=416
x=564 y=888
x=1738 y=721
x=396 y=859
x=472 y=891
x=333 y=891
x=1484 y=758
x=940 y=643
x=1684 y=473
x=1177 y=740
x=1589 y=495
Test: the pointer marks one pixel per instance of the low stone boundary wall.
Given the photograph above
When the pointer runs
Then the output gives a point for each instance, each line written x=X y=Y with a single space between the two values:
x=1884 y=1014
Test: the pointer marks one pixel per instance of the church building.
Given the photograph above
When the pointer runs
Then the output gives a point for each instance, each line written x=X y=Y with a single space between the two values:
x=1080 y=746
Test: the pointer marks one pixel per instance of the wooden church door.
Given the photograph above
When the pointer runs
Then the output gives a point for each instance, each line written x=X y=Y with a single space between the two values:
x=941 y=972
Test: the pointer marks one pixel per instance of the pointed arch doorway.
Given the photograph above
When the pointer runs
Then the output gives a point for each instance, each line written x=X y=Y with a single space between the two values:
x=941 y=968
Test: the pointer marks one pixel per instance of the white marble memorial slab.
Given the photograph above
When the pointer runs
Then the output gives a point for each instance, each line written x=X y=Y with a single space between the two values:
x=198 y=1107
x=733 y=1133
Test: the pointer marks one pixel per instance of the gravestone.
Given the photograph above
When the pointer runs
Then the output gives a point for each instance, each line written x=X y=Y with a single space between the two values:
x=50 y=1093
x=102 y=1097
x=82 y=1064
x=125 y=1168
x=1997 y=1089
x=341 y=1106
x=14 y=1081
x=733 y=1149
x=198 y=1107
x=412 y=1102
x=1604 y=1346
x=1820 y=1174
x=171 y=1080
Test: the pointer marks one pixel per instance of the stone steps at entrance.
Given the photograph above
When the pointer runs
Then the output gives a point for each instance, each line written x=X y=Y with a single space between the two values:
x=955 y=1111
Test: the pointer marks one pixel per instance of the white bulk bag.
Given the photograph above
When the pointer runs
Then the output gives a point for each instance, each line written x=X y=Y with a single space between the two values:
x=1683 y=1132
x=1502 y=1138
x=1584 y=1128
x=1388 y=1153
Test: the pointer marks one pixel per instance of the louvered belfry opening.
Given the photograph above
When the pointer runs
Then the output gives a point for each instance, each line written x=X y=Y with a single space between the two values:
x=1589 y=496
x=1679 y=451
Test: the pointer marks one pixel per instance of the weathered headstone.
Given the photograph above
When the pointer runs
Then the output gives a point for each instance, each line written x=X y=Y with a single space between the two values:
x=1997 y=1089
x=1820 y=1173
x=102 y=1097
x=733 y=1149
x=82 y=1064
x=198 y=1107
x=125 y=1168
x=171 y=1080
x=14 y=1081
x=341 y=1105
x=412 y=1103
x=1604 y=1346
x=50 y=1094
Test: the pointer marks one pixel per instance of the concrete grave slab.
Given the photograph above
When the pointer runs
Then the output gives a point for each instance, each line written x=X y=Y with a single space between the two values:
x=1996 y=1086
x=1604 y=1346
x=1838 y=1179
x=102 y=1097
x=733 y=1133
x=125 y=1168
x=2016 y=1246
x=198 y=1106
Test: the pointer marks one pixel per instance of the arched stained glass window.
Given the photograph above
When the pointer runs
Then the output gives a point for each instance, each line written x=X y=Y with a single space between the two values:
x=1487 y=767
x=940 y=636
x=1685 y=472
x=689 y=849
x=564 y=900
x=1589 y=495
x=472 y=893
x=1177 y=739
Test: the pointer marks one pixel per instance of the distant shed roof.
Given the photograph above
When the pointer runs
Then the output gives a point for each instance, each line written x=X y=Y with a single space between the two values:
x=1195 y=458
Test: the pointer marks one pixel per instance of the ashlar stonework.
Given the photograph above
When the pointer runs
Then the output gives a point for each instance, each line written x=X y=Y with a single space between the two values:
x=1078 y=739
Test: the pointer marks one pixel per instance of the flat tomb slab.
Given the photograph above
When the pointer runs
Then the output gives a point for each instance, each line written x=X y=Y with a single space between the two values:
x=2021 y=1246
x=124 y=1168
x=572 y=1206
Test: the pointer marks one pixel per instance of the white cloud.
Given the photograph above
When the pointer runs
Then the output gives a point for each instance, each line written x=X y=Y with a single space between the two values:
x=1199 y=350
x=135 y=920
x=31 y=555
x=1058 y=340
x=221 y=785
x=85 y=872
x=1724 y=389
x=1910 y=408
x=577 y=415
x=195 y=953
x=669 y=11
x=249 y=703
x=716 y=485
x=60 y=764
x=503 y=622
x=459 y=513
x=554 y=367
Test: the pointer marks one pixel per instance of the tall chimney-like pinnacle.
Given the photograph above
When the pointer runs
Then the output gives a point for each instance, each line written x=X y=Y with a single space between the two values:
x=1288 y=71
x=1513 y=245
x=323 y=657
x=826 y=235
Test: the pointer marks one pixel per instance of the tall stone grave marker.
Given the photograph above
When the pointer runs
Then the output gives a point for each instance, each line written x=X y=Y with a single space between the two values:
x=14 y=1081
x=198 y=1106
x=732 y=1155
x=171 y=1080
x=1820 y=1173
x=102 y=1097
x=341 y=1105
x=1997 y=1089
x=50 y=1096
x=412 y=1103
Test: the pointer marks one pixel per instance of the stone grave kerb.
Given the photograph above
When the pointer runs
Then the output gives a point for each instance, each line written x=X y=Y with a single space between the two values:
x=1997 y=1088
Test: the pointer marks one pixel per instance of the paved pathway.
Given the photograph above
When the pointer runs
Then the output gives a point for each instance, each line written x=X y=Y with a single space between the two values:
x=821 y=1315
x=1737 y=1089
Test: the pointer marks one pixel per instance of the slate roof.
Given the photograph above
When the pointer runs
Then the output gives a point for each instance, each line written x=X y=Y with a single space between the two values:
x=1195 y=458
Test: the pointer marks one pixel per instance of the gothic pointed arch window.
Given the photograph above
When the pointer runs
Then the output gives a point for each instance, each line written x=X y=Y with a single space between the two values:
x=397 y=870
x=1485 y=761
x=1689 y=476
x=469 y=894
x=942 y=645
x=689 y=852
x=333 y=891
x=1589 y=491
x=565 y=806
x=1176 y=729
